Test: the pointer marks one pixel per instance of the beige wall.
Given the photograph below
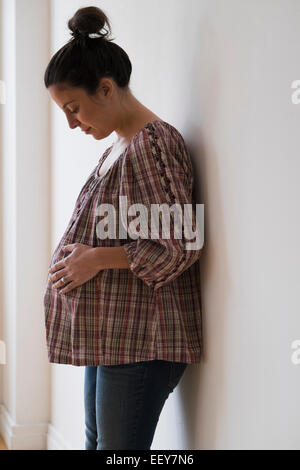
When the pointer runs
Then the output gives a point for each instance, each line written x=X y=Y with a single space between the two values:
x=1 y=210
x=25 y=188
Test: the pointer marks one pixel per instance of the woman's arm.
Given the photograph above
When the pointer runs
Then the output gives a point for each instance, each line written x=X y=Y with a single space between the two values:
x=111 y=257
x=83 y=263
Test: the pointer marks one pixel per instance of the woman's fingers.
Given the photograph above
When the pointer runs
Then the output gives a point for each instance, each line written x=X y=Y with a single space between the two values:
x=56 y=279
x=69 y=287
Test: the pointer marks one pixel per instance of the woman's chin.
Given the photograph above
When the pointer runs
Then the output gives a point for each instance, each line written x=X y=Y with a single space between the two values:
x=94 y=133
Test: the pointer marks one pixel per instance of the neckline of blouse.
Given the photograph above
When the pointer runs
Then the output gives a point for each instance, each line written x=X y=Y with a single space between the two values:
x=108 y=150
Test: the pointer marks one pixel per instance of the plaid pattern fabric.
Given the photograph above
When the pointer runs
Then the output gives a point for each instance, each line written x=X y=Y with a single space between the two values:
x=152 y=310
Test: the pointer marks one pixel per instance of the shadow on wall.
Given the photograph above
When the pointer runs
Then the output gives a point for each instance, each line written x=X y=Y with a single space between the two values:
x=201 y=389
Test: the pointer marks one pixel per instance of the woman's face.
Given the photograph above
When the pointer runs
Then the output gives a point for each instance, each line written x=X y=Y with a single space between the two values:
x=93 y=114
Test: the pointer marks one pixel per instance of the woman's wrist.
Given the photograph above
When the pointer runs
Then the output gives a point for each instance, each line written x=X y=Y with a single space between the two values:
x=111 y=257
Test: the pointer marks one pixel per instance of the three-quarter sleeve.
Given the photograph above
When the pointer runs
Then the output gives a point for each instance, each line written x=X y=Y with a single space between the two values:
x=158 y=171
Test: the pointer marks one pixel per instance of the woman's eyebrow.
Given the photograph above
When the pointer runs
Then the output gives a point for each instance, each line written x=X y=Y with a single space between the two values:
x=68 y=103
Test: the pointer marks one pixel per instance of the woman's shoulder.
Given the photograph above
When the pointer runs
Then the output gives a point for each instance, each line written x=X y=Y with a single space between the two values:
x=164 y=130
x=162 y=141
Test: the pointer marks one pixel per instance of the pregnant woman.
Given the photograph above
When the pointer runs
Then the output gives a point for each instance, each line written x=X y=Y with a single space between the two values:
x=126 y=308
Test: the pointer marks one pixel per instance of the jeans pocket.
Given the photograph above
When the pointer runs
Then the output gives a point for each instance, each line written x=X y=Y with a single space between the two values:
x=176 y=373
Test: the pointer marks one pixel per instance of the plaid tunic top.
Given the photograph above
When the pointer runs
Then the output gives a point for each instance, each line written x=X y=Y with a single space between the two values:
x=151 y=310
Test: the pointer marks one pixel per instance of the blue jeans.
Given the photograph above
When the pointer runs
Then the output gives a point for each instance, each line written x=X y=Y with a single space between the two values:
x=123 y=402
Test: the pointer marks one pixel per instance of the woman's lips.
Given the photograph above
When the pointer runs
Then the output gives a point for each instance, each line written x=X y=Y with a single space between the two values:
x=88 y=130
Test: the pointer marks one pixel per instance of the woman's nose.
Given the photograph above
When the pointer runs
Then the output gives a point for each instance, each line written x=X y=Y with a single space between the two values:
x=73 y=122
x=74 y=125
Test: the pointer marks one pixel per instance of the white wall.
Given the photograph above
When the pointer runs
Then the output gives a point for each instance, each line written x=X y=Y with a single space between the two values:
x=221 y=72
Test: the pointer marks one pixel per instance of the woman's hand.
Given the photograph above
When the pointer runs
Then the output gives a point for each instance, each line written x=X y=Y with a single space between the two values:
x=80 y=266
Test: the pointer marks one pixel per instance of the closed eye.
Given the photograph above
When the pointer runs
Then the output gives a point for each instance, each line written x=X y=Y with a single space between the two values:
x=75 y=111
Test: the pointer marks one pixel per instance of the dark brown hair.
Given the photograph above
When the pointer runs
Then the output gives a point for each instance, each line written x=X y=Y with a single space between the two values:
x=83 y=60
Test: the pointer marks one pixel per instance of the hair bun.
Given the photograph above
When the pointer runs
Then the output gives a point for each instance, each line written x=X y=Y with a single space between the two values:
x=83 y=62
x=88 y=22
